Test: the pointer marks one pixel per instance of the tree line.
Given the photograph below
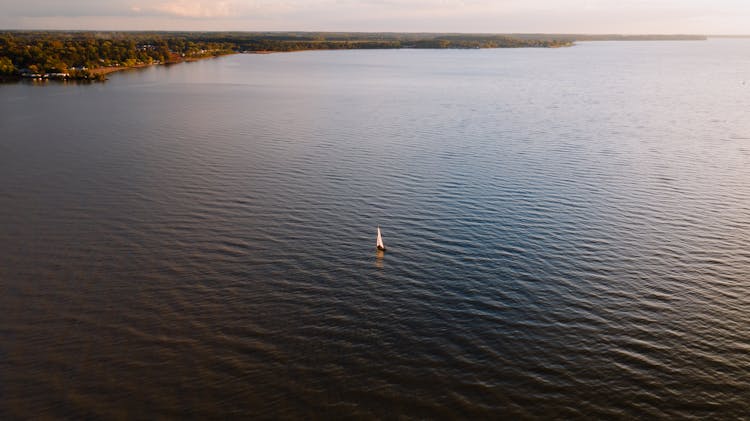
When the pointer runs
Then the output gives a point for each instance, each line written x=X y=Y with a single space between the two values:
x=79 y=54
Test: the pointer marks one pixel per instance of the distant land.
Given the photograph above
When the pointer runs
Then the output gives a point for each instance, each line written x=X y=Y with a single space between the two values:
x=90 y=55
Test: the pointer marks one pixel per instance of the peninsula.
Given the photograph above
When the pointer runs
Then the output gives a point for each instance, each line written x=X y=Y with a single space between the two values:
x=87 y=55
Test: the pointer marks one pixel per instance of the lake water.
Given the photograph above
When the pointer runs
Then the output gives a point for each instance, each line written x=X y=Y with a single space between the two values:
x=568 y=235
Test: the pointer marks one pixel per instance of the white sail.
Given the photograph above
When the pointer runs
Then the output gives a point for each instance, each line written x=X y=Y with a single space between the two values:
x=379 y=243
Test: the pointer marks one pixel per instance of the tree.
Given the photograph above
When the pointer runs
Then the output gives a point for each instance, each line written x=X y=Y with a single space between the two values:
x=6 y=66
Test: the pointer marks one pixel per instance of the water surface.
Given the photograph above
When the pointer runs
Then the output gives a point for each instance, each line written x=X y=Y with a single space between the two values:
x=568 y=236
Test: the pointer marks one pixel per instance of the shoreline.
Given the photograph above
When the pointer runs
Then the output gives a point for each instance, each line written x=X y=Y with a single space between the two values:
x=219 y=46
x=97 y=74
x=105 y=70
x=81 y=55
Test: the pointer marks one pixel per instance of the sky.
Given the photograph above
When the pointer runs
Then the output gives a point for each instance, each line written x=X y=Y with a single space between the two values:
x=471 y=16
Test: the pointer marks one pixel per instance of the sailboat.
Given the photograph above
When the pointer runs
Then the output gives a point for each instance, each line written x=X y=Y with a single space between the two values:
x=379 y=242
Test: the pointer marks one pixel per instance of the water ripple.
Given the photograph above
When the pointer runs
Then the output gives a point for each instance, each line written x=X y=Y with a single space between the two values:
x=568 y=237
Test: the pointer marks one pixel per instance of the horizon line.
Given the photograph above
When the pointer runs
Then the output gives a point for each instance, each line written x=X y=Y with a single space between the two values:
x=373 y=32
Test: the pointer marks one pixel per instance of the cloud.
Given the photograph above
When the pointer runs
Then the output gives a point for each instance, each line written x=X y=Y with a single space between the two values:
x=600 y=16
x=46 y=8
x=189 y=8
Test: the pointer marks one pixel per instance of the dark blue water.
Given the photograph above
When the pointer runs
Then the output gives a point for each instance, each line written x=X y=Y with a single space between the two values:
x=568 y=236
